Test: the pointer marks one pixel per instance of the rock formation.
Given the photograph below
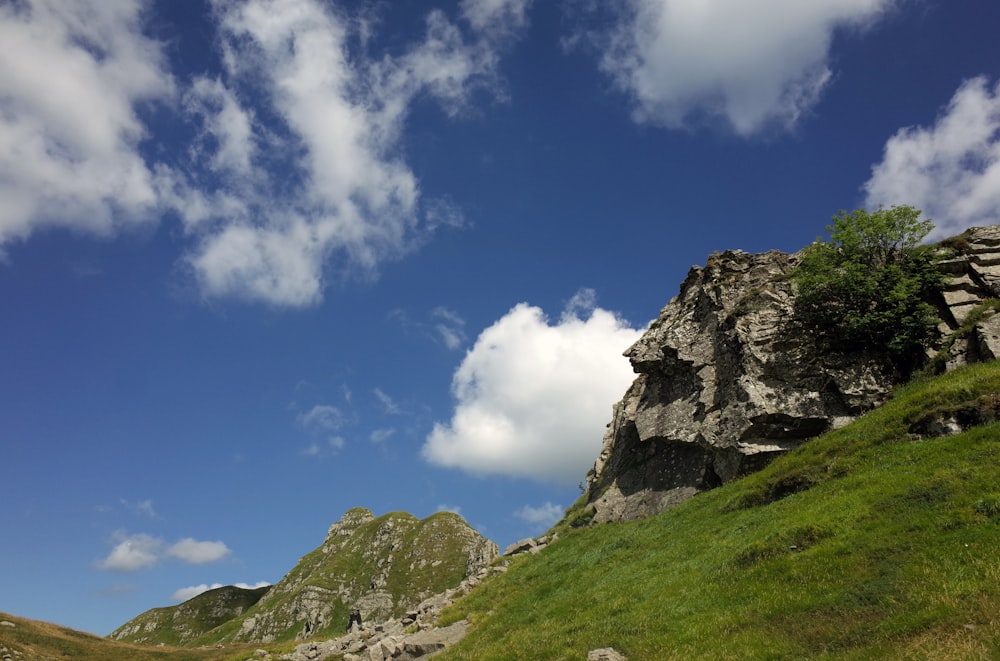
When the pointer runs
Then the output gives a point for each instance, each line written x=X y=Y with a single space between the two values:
x=727 y=379
x=381 y=565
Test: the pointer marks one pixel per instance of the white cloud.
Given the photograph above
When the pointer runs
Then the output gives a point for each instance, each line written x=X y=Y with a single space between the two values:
x=133 y=552
x=751 y=64
x=191 y=592
x=498 y=16
x=951 y=170
x=340 y=115
x=295 y=177
x=72 y=77
x=333 y=445
x=140 y=551
x=533 y=398
x=195 y=552
x=543 y=516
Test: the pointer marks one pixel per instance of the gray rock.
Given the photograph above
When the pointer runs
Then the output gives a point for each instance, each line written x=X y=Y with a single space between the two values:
x=727 y=380
x=605 y=654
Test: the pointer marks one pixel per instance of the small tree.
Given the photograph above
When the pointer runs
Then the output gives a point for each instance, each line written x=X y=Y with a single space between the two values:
x=867 y=287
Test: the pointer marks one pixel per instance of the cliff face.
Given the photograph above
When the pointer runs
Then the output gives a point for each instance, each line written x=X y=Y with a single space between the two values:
x=727 y=379
x=381 y=565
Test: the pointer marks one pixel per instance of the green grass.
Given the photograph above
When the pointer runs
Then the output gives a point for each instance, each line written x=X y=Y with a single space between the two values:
x=865 y=543
x=41 y=640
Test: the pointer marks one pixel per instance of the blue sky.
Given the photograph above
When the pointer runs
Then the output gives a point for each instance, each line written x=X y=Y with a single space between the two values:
x=267 y=260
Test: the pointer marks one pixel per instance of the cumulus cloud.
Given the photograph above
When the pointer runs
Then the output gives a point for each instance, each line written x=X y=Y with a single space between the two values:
x=542 y=516
x=195 y=552
x=141 y=551
x=191 y=592
x=73 y=76
x=533 y=397
x=951 y=170
x=133 y=552
x=750 y=64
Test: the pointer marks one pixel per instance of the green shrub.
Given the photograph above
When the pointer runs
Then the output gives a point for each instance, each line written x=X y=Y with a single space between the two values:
x=867 y=287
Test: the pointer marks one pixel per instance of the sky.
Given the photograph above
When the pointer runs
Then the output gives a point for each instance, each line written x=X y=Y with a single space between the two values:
x=263 y=261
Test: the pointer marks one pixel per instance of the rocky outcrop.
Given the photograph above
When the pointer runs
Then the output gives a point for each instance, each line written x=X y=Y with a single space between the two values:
x=415 y=635
x=380 y=565
x=179 y=625
x=727 y=379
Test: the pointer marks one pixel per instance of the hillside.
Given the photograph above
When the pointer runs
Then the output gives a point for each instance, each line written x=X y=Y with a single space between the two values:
x=178 y=625
x=877 y=540
x=30 y=640
x=383 y=565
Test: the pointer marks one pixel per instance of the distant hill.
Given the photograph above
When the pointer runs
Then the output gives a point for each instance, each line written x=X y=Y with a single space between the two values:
x=382 y=565
x=179 y=625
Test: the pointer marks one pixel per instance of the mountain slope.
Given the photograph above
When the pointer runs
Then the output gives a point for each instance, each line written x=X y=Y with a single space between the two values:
x=382 y=565
x=177 y=625
x=877 y=540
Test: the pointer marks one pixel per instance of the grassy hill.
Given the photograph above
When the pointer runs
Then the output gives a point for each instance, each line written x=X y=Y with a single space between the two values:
x=30 y=640
x=178 y=625
x=383 y=564
x=869 y=542
x=876 y=541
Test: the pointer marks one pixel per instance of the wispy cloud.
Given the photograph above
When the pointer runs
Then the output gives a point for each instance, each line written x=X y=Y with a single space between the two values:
x=294 y=176
x=323 y=417
x=951 y=169
x=389 y=406
x=342 y=114
x=533 y=397
x=142 y=507
x=684 y=62
x=441 y=325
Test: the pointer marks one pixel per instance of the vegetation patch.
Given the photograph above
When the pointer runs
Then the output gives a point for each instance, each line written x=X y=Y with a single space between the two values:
x=868 y=286
x=881 y=548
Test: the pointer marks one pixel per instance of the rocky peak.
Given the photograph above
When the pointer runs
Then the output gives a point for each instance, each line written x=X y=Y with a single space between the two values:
x=379 y=565
x=727 y=380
